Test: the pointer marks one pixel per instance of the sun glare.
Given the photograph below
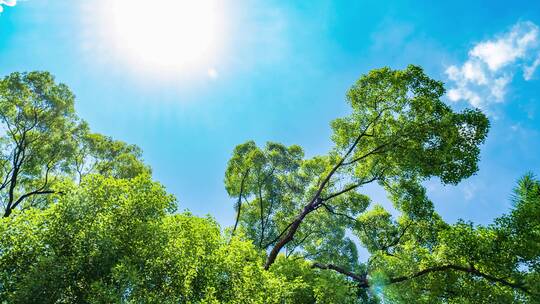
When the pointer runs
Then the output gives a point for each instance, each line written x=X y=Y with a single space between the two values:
x=164 y=34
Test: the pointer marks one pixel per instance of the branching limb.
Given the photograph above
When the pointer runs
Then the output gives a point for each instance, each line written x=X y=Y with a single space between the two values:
x=471 y=270
x=361 y=279
x=316 y=198
x=40 y=191
x=239 y=202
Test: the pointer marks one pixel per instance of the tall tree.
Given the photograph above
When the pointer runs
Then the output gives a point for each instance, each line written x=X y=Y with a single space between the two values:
x=422 y=259
x=103 y=155
x=110 y=240
x=399 y=131
x=261 y=179
x=42 y=141
x=38 y=122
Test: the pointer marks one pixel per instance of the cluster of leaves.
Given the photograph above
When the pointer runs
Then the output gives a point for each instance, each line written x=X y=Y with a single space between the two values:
x=84 y=222
x=43 y=142
x=399 y=134
x=433 y=262
x=116 y=240
x=269 y=183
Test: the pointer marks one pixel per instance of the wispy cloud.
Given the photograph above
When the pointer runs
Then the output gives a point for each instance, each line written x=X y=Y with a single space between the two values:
x=469 y=191
x=7 y=3
x=484 y=77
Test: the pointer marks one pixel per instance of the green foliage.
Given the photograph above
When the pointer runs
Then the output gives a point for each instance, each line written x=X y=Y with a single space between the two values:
x=116 y=241
x=38 y=120
x=271 y=183
x=315 y=286
x=43 y=142
x=438 y=263
x=102 y=155
x=408 y=130
x=111 y=240
x=259 y=178
x=84 y=222
x=77 y=242
x=399 y=134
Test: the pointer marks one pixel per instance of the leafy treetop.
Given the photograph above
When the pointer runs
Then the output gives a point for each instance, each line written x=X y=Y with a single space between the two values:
x=43 y=142
x=399 y=133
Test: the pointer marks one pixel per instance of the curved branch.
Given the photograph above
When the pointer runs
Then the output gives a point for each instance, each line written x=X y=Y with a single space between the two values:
x=470 y=270
x=362 y=279
x=397 y=239
x=316 y=198
x=352 y=187
x=332 y=211
x=40 y=191
x=239 y=202
x=364 y=282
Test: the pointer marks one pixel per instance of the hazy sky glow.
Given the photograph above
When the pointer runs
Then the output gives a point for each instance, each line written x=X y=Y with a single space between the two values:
x=164 y=38
x=188 y=80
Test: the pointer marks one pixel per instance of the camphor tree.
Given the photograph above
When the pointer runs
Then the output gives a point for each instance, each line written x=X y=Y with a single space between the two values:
x=42 y=141
x=90 y=226
x=86 y=224
x=433 y=262
x=399 y=134
x=109 y=240
x=399 y=131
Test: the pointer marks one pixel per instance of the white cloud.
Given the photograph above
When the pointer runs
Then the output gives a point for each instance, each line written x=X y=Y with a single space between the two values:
x=484 y=77
x=469 y=191
x=7 y=3
x=528 y=71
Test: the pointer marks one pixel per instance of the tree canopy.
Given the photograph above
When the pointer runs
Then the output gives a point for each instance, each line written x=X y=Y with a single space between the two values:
x=84 y=222
x=399 y=133
x=112 y=240
x=434 y=262
x=42 y=142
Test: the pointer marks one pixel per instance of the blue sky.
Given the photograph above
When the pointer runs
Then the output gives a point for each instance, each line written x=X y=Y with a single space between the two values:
x=280 y=73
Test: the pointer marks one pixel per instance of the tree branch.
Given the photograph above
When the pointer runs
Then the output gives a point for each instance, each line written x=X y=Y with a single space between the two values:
x=331 y=210
x=316 y=198
x=239 y=202
x=18 y=158
x=40 y=191
x=261 y=206
x=397 y=239
x=470 y=270
x=350 y=188
x=364 y=282
x=361 y=279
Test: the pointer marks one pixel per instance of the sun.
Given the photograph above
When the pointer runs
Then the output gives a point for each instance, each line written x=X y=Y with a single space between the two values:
x=164 y=34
